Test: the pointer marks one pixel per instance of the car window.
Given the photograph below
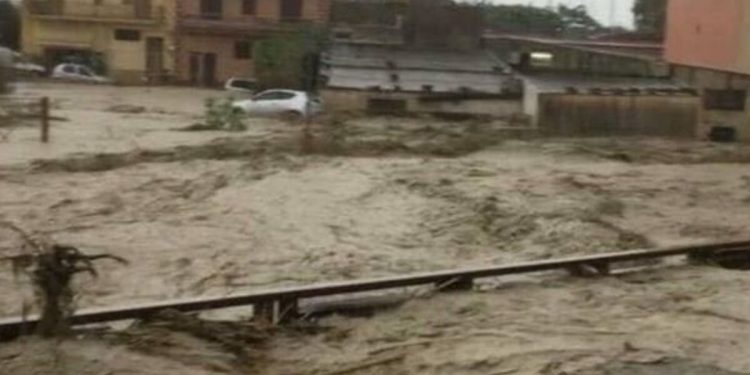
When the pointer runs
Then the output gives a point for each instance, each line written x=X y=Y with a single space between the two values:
x=84 y=71
x=68 y=69
x=274 y=95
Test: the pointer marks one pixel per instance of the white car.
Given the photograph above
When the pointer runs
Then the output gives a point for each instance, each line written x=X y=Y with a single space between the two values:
x=24 y=66
x=77 y=72
x=17 y=63
x=241 y=85
x=287 y=103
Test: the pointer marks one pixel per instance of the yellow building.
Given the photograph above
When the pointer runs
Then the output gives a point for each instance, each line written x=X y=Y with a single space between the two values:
x=131 y=41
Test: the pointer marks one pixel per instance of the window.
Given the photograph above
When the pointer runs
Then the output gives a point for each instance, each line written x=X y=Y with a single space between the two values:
x=84 y=71
x=291 y=10
x=212 y=9
x=69 y=69
x=127 y=35
x=725 y=100
x=249 y=7
x=243 y=50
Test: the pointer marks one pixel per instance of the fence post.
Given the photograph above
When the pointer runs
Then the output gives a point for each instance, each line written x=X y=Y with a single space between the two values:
x=45 y=119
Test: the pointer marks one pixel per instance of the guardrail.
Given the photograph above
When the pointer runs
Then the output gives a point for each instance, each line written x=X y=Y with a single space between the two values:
x=278 y=304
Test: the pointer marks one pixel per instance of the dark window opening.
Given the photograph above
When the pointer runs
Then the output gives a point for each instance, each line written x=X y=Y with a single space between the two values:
x=249 y=7
x=243 y=50
x=212 y=9
x=725 y=100
x=291 y=10
x=127 y=35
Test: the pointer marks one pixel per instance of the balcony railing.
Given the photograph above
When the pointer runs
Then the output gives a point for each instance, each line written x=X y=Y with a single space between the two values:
x=102 y=12
x=214 y=23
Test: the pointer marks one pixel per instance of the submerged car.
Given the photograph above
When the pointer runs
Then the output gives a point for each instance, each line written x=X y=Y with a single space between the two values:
x=77 y=72
x=288 y=104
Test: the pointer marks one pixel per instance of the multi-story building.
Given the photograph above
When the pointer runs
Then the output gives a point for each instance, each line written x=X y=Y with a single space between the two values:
x=708 y=45
x=130 y=40
x=216 y=37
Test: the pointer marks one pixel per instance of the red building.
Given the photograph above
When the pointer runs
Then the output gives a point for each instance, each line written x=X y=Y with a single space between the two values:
x=708 y=45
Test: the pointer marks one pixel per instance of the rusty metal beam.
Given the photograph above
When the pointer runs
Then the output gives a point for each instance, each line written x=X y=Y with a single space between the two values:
x=11 y=327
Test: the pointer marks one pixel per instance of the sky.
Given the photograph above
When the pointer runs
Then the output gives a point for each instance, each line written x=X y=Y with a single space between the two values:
x=600 y=9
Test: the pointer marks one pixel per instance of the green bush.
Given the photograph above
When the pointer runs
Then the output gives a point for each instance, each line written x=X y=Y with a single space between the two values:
x=220 y=115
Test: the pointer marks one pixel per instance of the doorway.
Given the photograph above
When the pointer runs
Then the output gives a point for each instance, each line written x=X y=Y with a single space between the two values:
x=203 y=69
x=154 y=60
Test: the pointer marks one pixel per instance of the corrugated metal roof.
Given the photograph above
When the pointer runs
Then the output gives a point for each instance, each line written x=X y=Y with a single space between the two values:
x=389 y=68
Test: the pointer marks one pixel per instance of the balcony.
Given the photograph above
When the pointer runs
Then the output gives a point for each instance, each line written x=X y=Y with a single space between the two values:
x=140 y=12
x=221 y=25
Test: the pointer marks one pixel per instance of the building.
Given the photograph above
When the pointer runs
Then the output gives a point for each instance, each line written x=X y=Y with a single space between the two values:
x=418 y=56
x=216 y=37
x=708 y=45
x=400 y=79
x=131 y=41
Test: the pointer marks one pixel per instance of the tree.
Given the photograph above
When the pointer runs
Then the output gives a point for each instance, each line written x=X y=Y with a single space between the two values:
x=10 y=25
x=650 y=16
x=526 y=19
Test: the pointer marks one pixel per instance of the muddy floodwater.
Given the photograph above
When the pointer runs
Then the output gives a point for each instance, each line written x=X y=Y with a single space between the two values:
x=212 y=213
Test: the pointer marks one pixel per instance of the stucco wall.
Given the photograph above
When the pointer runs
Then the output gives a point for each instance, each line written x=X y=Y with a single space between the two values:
x=357 y=101
x=125 y=60
x=710 y=34
x=227 y=66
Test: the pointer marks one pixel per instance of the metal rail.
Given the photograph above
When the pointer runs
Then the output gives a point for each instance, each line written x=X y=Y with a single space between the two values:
x=278 y=301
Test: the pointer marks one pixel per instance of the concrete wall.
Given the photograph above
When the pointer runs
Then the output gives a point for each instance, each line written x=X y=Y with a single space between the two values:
x=710 y=34
x=357 y=101
x=573 y=115
x=704 y=79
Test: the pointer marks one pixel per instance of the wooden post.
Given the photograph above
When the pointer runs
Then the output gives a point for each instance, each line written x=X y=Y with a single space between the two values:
x=45 y=119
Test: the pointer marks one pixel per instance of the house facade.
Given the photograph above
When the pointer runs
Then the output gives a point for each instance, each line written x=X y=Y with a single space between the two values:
x=708 y=45
x=131 y=41
x=216 y=37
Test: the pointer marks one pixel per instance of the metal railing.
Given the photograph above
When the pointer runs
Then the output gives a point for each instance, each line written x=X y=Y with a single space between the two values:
x=277 y=304
x=80 y=10
x=211 y=22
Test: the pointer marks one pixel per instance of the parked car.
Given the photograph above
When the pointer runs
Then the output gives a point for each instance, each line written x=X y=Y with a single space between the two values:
x=241 y=85
x=23 y=66
x=286 y=103
x=77 y=72
x=17 y=63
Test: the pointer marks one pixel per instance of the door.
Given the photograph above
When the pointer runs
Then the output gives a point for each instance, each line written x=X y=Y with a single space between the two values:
x=154 y=59
x=212 y=9
x=195 y=68
x=209 y=69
